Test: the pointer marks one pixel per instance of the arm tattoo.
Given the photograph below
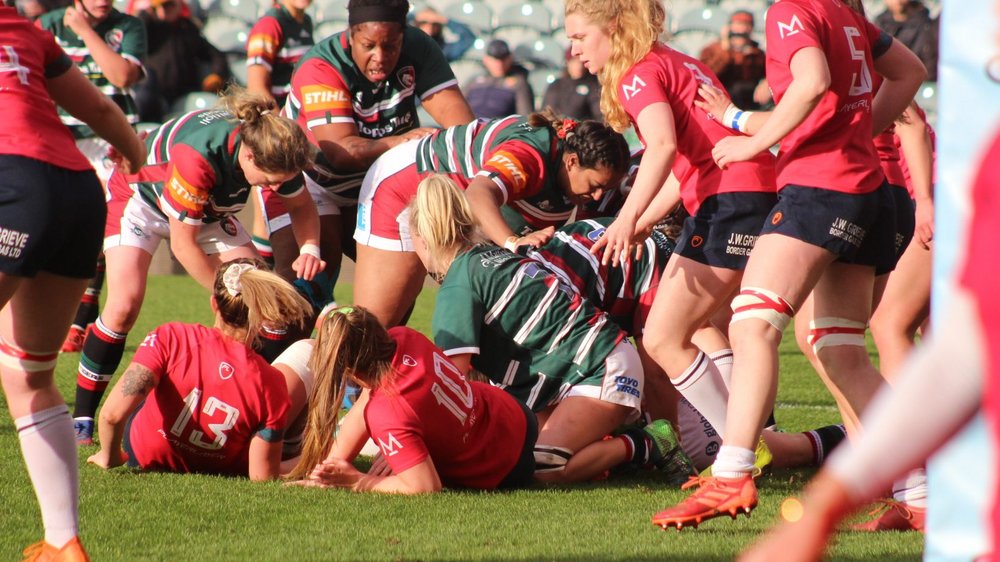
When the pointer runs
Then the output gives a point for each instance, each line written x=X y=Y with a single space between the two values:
x=137 y=380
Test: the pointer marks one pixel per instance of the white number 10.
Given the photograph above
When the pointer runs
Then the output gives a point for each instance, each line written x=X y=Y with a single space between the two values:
x=460 y=390
x=865 y=84
x=212 y=405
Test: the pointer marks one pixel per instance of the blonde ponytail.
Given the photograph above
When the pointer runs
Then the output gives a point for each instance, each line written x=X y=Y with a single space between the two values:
x=441 y=215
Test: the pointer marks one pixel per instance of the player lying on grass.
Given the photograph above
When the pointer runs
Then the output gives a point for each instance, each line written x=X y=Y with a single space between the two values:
x=435 y=428
x=625 y=292
x=199 y=399
x=514 y=321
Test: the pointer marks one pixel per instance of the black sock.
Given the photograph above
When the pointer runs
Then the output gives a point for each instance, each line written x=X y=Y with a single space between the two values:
x=640 y=445
x=824 y=440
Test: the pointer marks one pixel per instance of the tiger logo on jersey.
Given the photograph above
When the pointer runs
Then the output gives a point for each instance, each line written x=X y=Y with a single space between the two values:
x=407 y=76
x=114 y=39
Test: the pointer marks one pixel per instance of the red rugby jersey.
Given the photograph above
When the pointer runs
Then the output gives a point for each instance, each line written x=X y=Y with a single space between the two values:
x=31 y=125
x=669 y=76
x=473 y=432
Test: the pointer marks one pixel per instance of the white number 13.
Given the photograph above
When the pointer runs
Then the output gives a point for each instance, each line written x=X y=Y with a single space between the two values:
x=864 y=85
x=212 y=405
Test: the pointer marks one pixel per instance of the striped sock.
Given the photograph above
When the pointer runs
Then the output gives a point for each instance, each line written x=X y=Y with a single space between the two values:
x=824 y=440
x=102 y=353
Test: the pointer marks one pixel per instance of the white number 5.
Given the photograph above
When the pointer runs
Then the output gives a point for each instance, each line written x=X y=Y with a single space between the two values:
x=864 y=85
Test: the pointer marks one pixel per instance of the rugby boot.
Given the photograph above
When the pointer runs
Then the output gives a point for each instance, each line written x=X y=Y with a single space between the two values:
x=715 y=496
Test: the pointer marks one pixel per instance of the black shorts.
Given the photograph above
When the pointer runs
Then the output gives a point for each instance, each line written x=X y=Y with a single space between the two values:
x=906 y=222
x=51 y=219
x=523 y=473
x=859 y=228
x=725 y=228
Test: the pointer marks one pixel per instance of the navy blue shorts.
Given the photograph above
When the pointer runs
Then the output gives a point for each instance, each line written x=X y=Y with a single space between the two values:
x=51 y=219
x=859 y=228
x=725 y=228
x=906 y=221
x=523 y=473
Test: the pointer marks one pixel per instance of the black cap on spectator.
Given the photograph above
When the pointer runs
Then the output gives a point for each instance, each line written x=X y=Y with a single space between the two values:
x=498 y=49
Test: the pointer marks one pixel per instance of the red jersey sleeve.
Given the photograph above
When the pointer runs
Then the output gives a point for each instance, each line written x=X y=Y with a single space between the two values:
x=264 y=42
x=273 y=422
x=788 y=29
x=397 y=431
x=190 y=177
x=642 y=86
x=322 y=93
x=517 y=168
x=154 y=351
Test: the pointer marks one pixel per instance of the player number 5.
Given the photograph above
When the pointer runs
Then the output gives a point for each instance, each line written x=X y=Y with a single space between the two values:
x=864 y=85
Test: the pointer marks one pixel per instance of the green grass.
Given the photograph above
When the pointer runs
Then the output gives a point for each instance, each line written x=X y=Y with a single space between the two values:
x=127 y=515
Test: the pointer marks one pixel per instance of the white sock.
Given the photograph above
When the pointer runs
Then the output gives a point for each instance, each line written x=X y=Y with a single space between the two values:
x=703 y=387
x=733 y=462
x=912 y=488
x=723 y=360
x=49 y=448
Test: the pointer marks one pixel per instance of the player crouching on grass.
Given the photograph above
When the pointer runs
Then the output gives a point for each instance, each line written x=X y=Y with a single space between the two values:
x=199 y=399
x=435 y=428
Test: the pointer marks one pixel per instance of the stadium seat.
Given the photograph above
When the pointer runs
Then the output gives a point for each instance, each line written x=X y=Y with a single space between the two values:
x=516 y=35
x=692 y=41
x=331 y=10
x=194 y=101
x=543 y=52
x=246 y=10
x=927 y=97
x=677 y=7
x=238 y=66
x=472 y=13
x=466 y=69
x=228 y=34
x=327 y=28
x=478 y=49
x=539 y=81
x=873 y=8
x=558 y=10
x=706 y=18
x=531 y=15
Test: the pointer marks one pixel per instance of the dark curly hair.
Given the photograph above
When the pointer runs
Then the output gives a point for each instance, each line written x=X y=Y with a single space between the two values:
x=596 y=145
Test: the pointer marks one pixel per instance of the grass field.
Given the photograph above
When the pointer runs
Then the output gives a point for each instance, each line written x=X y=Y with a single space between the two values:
x=127 y=515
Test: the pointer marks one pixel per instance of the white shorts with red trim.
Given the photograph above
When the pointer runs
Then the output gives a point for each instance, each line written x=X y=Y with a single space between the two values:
x=383 y=204
x=276 y=215
x=136 y=224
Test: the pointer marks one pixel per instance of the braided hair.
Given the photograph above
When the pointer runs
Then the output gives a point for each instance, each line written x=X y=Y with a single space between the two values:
x=595 y=144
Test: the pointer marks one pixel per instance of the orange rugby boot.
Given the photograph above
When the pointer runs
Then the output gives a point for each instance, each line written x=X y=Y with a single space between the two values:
x=42 y=551
x=892 y=515
x=715 y=496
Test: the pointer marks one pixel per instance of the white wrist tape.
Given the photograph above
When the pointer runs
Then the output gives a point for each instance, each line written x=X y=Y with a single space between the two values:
x=309 y=249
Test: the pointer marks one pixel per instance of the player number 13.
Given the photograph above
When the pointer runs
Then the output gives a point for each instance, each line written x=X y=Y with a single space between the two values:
x=212 y=405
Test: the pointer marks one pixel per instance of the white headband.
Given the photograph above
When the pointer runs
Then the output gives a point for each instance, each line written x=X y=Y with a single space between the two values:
x=231 y=278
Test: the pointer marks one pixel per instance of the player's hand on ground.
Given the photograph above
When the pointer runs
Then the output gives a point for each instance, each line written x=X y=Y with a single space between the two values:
x=731 y=150
x=307 y=266
x=107 y=459
x=713 y=101
x=337 y=473
x=924 y=231
x=617 y=242
x=537 y=238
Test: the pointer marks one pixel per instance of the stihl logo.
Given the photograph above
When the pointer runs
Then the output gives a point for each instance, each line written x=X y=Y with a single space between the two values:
x=790 y=28
x=391 y=448
x=326 y=96
x=634 y=88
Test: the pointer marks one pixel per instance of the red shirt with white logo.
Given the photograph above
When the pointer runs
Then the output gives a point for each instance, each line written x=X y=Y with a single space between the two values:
x=215 y=394
x=31 y=125
x=832 y=148
x=472 y=432
x=668 y=76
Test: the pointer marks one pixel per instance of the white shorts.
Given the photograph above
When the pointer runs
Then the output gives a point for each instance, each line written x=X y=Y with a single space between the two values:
x=276 y=215
x=95 y=150
x=142 y=226
x=622 y=383
x=296 y=358
x=383 y=203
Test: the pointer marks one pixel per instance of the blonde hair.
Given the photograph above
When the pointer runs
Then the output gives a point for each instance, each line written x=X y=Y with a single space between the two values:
x=351 y=345
x=440 y=214
x=633 y=26
x=277 y=143
x=250 y=297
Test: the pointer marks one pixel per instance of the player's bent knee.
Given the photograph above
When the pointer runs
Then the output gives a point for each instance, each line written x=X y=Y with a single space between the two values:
x=832 y=331
x=762 y=304
x=550 y=460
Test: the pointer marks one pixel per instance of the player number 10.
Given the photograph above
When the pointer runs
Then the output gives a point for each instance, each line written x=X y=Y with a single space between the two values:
x=458 y=396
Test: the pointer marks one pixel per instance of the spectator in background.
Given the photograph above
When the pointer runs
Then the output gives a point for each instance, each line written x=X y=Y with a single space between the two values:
x=504 y=89
x=33 y=9
x=738 y=61
x=433 y=23
x=911 y=23
x=180 y=61
x=576 y=94
x=277 y=41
